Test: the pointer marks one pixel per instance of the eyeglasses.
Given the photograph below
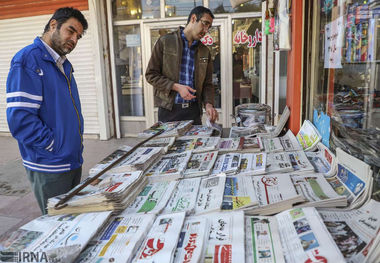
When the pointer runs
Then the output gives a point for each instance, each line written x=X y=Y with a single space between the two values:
x=206 y=24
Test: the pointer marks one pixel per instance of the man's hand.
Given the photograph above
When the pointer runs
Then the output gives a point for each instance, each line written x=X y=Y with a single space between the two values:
x=184 y=91
x=211 y=112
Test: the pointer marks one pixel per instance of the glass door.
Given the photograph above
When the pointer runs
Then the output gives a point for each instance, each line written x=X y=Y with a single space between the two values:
x=215 y=40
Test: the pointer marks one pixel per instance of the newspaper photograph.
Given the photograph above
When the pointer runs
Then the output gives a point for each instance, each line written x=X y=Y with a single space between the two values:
x=317 y=191
x=252 y=163
x=51 y=234
x=200 y=164
x=169 y=167
x=119 y=240
x=153 y=198
x=231 y=144
x=227 y=163
x=278 y=163
x=174 y=128
x=110 y=159
x=210 y=194
x=305 y=238
x=353 y=230
x=323 y=160
x=252 y=144
x=239 y=193
x=140 y=159
x=165 y=143
x=199 y=131
x=308 y=136
x=299 y=162
x=262 y=240
x=225 y=243
x=192 y=240
x=162 y=239
x=184 y=196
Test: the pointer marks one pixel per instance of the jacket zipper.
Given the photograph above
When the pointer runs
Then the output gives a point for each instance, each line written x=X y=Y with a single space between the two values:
x=75 y=107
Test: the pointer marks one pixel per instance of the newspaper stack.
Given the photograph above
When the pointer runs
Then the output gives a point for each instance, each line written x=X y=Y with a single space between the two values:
x=305 y=238
x=272 y=145
x=262 y=240
x=317 y=191
x=55 y=238
x=252 y=163
x=184 y=196
x=174 y=128
x=210 y=194
x=165 y=143
x=278 y=163
x=353 y=179
x=108 y=192
x=300 y=162
x=355 y=231
x=195 y=144
x=231 y=144
x=119 y=240
x=239 y=193
x=289 y=142
x=323 y=160
x=252 y=144
x=138 y=160
x=192 y=240
x=161 y=241
x=228 y=163
x=200 y=164
x=199 y=131
x=109 y=160
x=226 y=238
x=169 y=167
x=153 y=198
x=275 y=193
x=308 y=136
x=258 y=128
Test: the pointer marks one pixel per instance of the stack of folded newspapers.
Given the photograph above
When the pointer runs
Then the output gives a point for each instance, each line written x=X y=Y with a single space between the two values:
x=174 y=128
x=200 y=164
x=199 y=131
x=275 y=193
x=252 y=163
x=139 y=160
x=231 y=144
x=109 y=160
x=210 y=194
x=300 y=162
x=227 y=163
x=323 y=160
x=165 y=143
x=169 y=167
x=252 y=144
x=278 y=163
x=195 y=144
x=111 y=191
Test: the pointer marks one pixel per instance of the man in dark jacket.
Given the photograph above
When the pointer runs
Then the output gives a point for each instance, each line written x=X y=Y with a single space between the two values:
x=180 y=71
x=43 y=107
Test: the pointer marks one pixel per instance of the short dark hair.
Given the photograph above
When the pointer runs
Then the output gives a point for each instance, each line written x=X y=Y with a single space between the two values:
x=199 y=11
x=61 y=15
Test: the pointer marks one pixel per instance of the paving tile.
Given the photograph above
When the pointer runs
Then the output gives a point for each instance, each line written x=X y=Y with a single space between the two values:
x=22 y=207
x=7 y=224
x=6 y=200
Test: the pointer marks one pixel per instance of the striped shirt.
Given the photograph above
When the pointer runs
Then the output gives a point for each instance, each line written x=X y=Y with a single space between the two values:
x=58 y=59
x=186 y=76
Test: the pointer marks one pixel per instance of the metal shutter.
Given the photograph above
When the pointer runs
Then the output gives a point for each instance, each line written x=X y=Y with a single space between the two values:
x=18 y=32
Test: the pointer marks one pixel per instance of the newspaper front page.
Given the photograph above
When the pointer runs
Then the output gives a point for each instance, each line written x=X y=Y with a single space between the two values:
x=239 y=193
x=174 y=128
x=308 y=136
x=153 y=198
x=278 y=163
x=323 y=160
x=110 y=159
x=353 y=231
x=200 y=164
x=199 y=131
x=162 y=239
x=231 y=144
x=252 y=163
x=262 y=240
x=289 y=142
x=184 y=196
x=165 y=143
x=300 y=162
x=272 y=145
x=225 y=243
x=119 y=240
x=210 y=194
x=305 y=238
x=192 y=240
x=227 y=163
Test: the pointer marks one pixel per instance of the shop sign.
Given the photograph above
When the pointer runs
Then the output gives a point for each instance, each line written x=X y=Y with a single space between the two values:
x=133 y=40
x=207 y=40
x=333 y=43
x=241 y=38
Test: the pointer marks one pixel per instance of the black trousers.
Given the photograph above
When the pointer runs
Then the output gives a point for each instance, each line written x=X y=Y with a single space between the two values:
x=181 y=113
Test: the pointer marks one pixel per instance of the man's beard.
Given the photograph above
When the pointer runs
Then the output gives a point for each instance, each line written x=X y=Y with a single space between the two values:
x=57 y=44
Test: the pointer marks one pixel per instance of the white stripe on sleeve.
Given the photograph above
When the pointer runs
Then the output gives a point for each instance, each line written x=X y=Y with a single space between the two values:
x=24 y=94
x=23 y=104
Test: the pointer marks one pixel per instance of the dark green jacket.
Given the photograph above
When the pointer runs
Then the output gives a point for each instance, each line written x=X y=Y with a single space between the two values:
x=164 y=70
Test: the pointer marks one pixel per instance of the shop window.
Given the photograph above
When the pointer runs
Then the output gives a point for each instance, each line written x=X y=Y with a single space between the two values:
x=224 y=6
x=129 y=79
x=135 y=9
x=246 y=62
x=180 y=8
x=348 y=87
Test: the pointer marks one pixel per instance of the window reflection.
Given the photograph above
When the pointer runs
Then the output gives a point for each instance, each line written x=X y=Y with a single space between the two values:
x=135 y=9
x=129 y=70
x=180 y=8
x=246 y=62
x=224 y=6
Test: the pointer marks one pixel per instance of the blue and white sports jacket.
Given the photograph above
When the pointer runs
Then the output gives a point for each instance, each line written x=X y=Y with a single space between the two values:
x=44 y=112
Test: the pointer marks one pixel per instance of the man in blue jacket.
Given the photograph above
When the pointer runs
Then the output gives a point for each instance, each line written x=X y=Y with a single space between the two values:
x=43 y=107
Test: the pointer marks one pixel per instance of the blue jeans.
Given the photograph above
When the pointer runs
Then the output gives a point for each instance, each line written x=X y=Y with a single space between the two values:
x=46 y=185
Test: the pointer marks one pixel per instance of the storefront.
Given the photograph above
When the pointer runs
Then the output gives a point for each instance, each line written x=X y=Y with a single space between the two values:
x=236 y=42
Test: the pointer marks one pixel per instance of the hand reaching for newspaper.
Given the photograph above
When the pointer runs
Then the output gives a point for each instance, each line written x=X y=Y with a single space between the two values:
x=211 y=112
